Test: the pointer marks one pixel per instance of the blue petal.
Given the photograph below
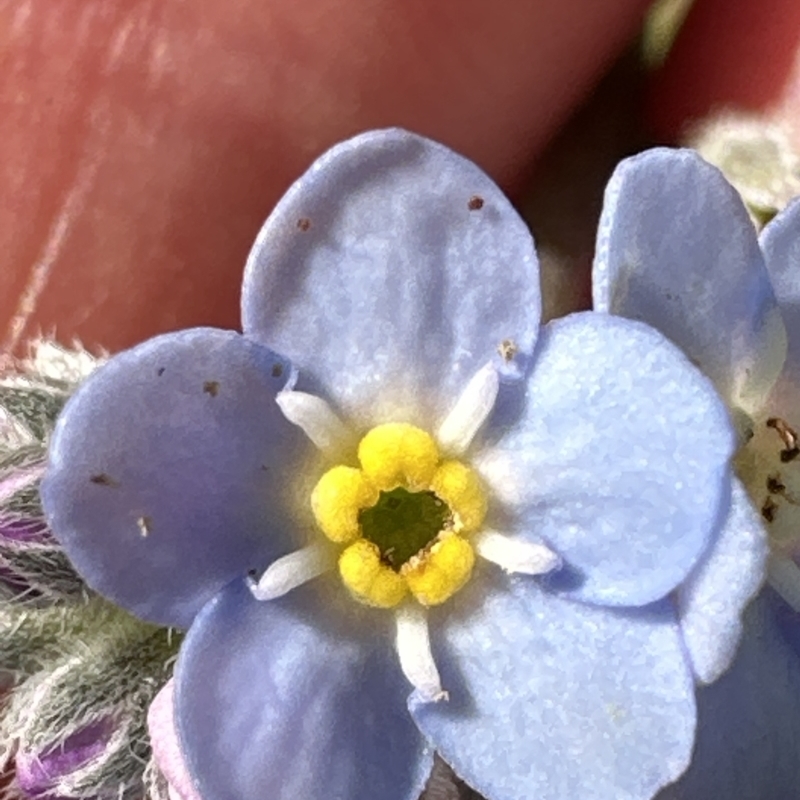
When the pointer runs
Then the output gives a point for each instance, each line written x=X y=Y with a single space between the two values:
x=677 y=249
x=270 y=702
x=619 y=460
x=780 y=242
x=748 y=725
x=553 y=699
x=169 y=471
x=712 y=599
x=377 y=279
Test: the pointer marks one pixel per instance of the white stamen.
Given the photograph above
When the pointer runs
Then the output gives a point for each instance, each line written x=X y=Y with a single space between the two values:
x=316 y=418
x=470 y=411
x=516 y=555
x=293 y=570
x=784 y=577
x=414 y=649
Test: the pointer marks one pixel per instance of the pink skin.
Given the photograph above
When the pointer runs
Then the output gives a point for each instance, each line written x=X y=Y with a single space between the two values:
x=144 y=142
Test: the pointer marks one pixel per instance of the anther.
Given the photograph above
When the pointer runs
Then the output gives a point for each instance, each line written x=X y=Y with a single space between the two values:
x=788 y=437
x=776 y=486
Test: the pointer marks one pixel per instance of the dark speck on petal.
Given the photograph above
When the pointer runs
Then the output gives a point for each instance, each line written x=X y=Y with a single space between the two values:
x=475 y=203
x=211 y=387
x=102 y=479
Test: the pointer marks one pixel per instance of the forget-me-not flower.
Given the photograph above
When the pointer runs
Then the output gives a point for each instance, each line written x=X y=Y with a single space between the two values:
x=677 y=249
x=358 y=493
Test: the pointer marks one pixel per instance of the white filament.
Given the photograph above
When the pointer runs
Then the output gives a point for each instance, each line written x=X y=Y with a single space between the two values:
x=316 y=418
x=470 y=411
x=784 y=577
x=293 y=570
x=414 y=649
x=516 y=555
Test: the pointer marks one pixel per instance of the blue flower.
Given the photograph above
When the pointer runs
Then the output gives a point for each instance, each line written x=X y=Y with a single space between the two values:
x=677 y=249
x=393 y=382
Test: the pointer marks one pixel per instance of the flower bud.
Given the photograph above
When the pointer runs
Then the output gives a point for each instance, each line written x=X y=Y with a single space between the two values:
x=75 y=722
x=39 y=774
x=33 y=566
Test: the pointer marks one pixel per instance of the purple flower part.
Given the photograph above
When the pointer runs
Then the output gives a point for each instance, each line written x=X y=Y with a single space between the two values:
x=39 y=773
x=16 y=583
x=19 y=534
x=11 y=580
x=17 y=531
x=27 y=550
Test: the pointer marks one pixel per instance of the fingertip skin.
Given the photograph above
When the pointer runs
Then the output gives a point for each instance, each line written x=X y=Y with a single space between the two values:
x=730 y=54
x=145 y=143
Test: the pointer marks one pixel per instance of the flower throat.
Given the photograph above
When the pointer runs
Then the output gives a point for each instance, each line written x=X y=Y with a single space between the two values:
x=402 y=516
x=404 y=523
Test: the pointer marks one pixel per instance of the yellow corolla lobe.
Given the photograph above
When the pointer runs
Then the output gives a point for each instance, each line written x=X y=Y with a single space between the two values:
x=440 y=572
x=460 y=487
x=338 y=498
x=368 y=578
x=398 y=454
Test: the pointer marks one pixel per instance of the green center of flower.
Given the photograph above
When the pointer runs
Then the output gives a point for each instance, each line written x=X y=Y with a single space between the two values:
x=403 y=523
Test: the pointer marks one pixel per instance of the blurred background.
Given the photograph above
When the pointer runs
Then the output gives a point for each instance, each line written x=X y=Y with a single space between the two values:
x=144 y=143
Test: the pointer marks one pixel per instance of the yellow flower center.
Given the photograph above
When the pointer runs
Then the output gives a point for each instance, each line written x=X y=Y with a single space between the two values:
x=403 y=516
